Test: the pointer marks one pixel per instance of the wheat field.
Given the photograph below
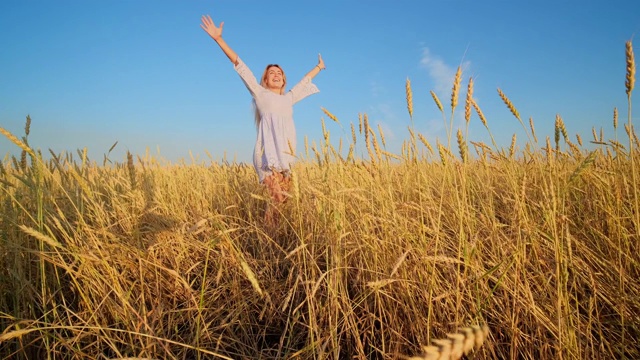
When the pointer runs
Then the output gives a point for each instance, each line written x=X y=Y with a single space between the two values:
x=374 y=256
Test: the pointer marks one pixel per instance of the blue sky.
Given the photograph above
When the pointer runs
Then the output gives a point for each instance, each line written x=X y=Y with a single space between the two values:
x=143 y=72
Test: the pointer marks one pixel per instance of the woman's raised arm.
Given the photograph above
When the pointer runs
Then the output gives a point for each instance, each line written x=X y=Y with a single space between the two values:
x=316 y=69
x=216 y=34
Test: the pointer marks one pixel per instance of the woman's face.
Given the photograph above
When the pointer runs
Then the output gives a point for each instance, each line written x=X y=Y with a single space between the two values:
x=275 y=80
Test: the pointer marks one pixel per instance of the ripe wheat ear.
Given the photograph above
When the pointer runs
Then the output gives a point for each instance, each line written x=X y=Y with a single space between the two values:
x=456 y=345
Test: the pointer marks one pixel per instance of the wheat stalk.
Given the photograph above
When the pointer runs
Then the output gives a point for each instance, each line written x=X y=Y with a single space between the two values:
x=462 y=146
x=468 y=101
x=615 y=118
x=443 y=153
x=27 y=125
x=291 y=150
x=131 y=170
x=455 y=89
x=353 y=133
x=365 y=128
x=437 y=101
x=376 y=147
x=533 y=130
x=512 y=148
x=456 y=345
x=409 y=98
x=631 y=69
x=330 y=115
x=548 y=151
x=425 y=143
x=480 y=114
x=325 y=134
x=509 y=104
x=384 y=143
x=556 y=133
x=391 y=155
x=17 y=141
x=563 y=129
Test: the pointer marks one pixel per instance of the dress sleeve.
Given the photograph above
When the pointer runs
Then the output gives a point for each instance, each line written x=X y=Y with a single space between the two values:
x=247 y=77
x=303 y=89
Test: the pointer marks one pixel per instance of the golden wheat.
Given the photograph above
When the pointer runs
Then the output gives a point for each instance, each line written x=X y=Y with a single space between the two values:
x=325 y=133
x=437 y=101
x=533 y=130
x=547 y=150
x=556 y=133
x=292 y=152
x=131 y=170
x=384 y=143
x=365 y=129
x=462 y=146
x=391 y=155
x=512 y=147
x=631 y=69
x=330 y=115
x=27 y=126
x=443 y=153
x=409 y=98
x=16 y=141
x=468 y=101
x=509 y=104
x=480 y=114
x=456 y=88
x=353 y=134
x=456 y=345
x=376 y=147
x=424 y=141
x=562 y=127
x=350 y=254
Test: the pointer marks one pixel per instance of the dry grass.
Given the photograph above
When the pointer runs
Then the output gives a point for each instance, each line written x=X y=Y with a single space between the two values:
x=372 y=259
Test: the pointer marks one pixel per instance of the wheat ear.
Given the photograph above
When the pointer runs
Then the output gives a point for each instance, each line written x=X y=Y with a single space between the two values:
x=330 y=115
x=631 y=69
x=16 y=141
x=456 y=88
x=437 y=101
x=409 y=98
x=467 y=103
x=456 y=345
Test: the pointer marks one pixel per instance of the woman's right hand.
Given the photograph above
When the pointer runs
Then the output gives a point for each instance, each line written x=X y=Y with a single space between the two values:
x=211 y=29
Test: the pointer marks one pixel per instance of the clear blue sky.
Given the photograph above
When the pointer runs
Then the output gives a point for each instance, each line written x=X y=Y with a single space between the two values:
x=143 y=72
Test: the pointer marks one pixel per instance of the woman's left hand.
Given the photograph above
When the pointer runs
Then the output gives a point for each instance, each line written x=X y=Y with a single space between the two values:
x=321 y=62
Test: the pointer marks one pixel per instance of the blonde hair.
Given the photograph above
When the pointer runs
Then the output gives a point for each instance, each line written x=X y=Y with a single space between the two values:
x=263 y=82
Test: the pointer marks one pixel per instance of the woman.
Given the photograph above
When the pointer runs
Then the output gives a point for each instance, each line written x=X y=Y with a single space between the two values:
x=276 y=141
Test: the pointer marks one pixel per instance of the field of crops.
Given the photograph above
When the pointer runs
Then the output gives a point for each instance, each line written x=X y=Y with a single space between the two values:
x=371 y=257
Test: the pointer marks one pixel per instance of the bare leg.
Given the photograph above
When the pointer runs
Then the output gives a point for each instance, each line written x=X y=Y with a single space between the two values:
x=278 y=186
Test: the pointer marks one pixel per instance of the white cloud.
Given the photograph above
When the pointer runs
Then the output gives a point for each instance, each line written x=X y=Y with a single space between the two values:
x=377 y=89
x=441 y=73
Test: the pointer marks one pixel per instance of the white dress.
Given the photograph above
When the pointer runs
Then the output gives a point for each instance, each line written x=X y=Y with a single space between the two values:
x=276 y=138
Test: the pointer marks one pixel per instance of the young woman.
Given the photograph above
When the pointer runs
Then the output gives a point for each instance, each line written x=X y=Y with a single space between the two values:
x=276 y=141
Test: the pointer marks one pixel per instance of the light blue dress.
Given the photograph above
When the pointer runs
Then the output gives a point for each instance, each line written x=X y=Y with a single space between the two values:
x=276 y=132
